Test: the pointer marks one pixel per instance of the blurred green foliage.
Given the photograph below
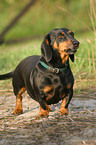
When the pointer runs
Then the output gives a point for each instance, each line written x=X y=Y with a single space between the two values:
x=44 y=16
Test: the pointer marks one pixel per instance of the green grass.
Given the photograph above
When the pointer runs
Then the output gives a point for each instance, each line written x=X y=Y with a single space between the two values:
x=11 y=55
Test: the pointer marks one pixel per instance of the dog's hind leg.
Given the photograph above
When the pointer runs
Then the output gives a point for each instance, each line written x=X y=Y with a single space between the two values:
x=18 y=109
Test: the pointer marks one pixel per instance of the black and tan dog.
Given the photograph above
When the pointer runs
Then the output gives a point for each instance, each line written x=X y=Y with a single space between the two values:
x=47 y=78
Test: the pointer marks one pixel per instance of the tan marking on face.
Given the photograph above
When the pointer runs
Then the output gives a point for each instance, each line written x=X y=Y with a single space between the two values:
x=55 y=45
x=64 y=56
x=70 y=31
x=62 y=33
x=47 y=41
x=48 y=88
x=63 y=46
x=60 y=36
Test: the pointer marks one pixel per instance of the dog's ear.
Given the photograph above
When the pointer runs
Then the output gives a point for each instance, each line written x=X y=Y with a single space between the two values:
x=72 y=57
x=46 y=49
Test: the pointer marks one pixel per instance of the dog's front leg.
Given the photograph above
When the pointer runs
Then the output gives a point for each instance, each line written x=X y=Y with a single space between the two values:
x=65 y=103
x=44 y=109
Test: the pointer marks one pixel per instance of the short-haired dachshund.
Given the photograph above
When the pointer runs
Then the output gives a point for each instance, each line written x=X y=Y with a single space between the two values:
x=47 y=78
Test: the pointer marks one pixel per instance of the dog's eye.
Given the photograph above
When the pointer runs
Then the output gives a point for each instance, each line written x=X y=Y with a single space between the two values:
x=61 y=36
x=72 y=34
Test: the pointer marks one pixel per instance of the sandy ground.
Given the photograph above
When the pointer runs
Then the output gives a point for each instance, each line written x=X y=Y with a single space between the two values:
x=78 y=128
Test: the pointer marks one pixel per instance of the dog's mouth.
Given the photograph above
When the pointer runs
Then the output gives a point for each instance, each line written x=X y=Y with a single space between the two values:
x=70 y=51
x=73 y=48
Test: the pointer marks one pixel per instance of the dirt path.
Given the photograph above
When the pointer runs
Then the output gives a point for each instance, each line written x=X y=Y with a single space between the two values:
x=78 y=128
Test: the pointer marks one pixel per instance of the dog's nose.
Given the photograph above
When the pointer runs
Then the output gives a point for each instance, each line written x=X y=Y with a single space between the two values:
x=75 y=43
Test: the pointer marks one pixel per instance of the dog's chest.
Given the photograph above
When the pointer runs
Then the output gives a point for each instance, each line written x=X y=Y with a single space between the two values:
x=55 y=90
x=52 y=87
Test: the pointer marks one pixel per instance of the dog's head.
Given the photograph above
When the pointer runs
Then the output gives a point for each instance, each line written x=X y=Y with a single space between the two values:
x=61 y=41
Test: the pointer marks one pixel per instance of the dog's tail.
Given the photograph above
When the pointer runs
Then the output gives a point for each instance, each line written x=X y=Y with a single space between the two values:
x=6 y=76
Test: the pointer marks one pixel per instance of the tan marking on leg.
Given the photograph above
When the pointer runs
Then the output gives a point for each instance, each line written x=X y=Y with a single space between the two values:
x=44 y=113
x=63 y=110
x=48 y=108
x=22 y=91
x=18 y=109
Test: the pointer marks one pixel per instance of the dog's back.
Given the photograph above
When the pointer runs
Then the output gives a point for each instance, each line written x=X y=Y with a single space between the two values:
x=26 y=66
x=22 y=72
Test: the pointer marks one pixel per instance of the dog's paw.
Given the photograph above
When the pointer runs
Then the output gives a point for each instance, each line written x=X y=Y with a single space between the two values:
x=42 y=114
x=18 y=111
x=49 y=109
x=63 y=111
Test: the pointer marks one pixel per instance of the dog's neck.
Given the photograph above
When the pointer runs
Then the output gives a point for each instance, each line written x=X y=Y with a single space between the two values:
x=57 y=61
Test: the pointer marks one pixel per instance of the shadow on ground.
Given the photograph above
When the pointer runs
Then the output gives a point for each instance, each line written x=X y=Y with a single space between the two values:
x=78 y=128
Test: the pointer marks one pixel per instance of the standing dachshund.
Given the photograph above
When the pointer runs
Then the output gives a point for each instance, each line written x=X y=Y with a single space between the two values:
x=47 y=78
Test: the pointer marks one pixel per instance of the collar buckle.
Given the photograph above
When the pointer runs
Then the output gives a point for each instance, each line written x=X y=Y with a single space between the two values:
x=56 y=70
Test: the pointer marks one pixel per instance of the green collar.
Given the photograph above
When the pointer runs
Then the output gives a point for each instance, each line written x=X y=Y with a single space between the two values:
x=55 y=70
